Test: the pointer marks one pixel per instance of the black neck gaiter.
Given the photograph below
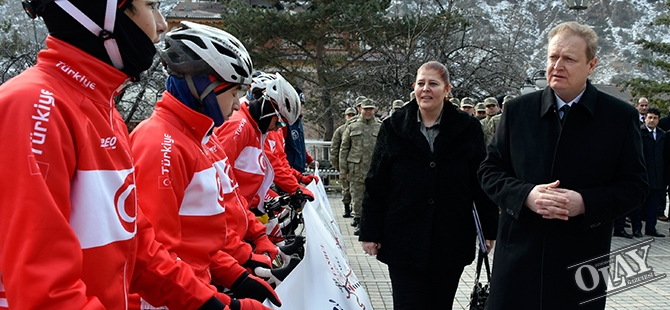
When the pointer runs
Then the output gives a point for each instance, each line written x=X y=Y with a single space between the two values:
x=256 y=113
x=137 y=50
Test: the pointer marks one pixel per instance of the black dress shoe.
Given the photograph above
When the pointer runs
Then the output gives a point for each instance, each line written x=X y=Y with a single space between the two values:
x=347 y=215
x=357 y=231
x=355 y=221
x=654 y=234
x=638 y=234
x=623 y=234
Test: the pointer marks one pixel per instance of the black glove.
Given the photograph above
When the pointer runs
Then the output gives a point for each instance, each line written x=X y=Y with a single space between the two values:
x=250 y=286
x=212 y=304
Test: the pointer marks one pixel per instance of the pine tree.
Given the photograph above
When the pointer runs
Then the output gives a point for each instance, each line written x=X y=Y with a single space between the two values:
x=319 y=43
x=656 y=90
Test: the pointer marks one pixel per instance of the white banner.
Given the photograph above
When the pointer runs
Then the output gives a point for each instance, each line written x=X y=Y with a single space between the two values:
x=323 y=280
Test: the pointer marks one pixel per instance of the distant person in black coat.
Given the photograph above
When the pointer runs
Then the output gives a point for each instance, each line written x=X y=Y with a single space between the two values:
x=642 y=106
x=419 y=191
x=654 y=146
x=664 y=123
x=561 y=176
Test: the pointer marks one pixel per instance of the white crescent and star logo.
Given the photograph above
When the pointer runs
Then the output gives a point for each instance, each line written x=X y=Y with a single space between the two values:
x=125 y=200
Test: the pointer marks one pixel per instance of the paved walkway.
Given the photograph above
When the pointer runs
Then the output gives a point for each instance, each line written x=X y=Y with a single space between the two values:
x=374 y=275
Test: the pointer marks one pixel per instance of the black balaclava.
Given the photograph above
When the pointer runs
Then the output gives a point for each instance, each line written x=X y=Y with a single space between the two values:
x=256 y=113
x=137 y=50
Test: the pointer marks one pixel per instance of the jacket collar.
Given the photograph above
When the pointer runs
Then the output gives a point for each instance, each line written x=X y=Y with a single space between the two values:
x=362 y=119
x=452 y=124
x=588 y=100
x=179 y=115
x=244 y=112
x=94 y=78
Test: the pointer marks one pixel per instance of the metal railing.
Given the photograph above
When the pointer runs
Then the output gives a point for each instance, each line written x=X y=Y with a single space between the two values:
x=320 y=152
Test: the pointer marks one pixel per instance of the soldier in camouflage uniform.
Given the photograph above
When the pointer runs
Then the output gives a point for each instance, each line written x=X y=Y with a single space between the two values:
x=335 y=160
x=358 y=143
x=397 y=104
x=490 y=123
x=357 y=103
x=496 y=119
x=468 y=106
x=455 y=102
x=480 y=111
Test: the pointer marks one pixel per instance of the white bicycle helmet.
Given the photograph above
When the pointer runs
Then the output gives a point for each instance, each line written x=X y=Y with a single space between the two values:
x=260 y=82
x=284 y=97
x=198 y=49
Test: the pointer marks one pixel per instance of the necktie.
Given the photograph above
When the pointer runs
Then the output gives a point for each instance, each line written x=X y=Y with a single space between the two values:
x=565 y=108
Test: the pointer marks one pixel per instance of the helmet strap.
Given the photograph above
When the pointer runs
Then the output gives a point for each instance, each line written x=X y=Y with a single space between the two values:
x=270 y=114
x=105 y=34
x=194 y=92
x=280 y=119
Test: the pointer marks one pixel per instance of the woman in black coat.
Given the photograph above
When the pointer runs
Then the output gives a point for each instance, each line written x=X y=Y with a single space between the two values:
x=417 y=209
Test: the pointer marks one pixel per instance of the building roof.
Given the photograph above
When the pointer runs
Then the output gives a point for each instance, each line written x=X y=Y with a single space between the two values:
x=197 y=10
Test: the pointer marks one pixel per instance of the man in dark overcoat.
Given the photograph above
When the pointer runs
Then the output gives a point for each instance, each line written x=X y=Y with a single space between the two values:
x=654 y=148
x=561 y=176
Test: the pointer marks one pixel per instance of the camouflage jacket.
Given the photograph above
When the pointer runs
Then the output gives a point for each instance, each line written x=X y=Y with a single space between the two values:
x=335 y=146
x=489 y=126
x=358 y=143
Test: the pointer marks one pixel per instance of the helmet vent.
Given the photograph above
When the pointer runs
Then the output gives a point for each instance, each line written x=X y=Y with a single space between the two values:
x=239 y=70
x=225 y=51
x=192 y=38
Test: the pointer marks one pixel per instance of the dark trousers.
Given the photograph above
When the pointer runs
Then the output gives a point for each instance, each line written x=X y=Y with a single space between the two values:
x=650 y=208
x=431 y=289
x=620 y=223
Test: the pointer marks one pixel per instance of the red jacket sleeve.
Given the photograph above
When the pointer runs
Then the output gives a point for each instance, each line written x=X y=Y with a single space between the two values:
x=274 y=149
x=40 y=256
x=236 y=247
x=160 y=201
x=162 y=280
x=225 y=269
x=308 y=158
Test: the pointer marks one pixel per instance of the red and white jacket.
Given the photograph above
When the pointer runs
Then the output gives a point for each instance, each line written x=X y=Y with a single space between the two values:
x=238 y=216
x=71 y=235
x=286 y=177
x=243 y=143
x=181 y=192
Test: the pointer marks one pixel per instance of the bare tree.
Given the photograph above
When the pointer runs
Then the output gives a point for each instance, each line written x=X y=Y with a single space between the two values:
x=19 y=46
x=137 y=100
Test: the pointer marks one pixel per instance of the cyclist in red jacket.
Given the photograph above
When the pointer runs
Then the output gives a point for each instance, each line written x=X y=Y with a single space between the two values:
x=71 y=233
x=243 y=137
x=185 y=193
